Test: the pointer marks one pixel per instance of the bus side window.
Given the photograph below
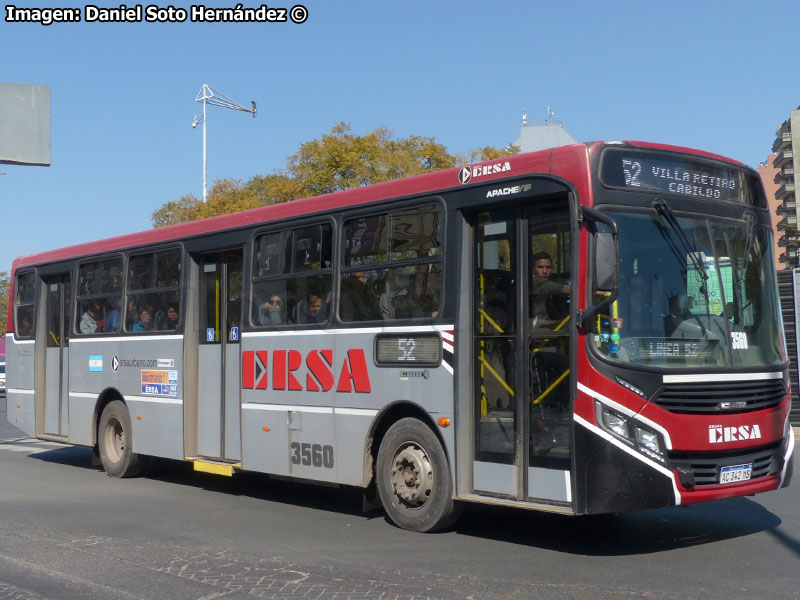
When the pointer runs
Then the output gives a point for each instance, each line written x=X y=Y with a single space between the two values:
x=24 y=296
x=292 y=277
x=99 y=296
x=154 y=281
x=385 y=276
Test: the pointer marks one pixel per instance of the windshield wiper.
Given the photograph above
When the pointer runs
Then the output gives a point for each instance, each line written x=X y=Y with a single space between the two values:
x=750 y=224
x=665 y=211
x=737 y=276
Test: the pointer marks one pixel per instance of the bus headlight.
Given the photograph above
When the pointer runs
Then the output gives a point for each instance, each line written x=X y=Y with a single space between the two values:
x=643 y=439
x=616 y=424
x=648 y=440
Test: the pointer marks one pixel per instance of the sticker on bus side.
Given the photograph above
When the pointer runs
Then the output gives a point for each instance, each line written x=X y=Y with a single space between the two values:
x=159 y=383
x=96 y=363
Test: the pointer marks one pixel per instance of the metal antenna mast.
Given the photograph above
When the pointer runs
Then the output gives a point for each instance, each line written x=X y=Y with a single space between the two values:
x=209 y=95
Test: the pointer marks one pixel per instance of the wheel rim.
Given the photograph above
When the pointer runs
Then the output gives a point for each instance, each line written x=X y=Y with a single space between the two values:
x=412 y=475
x=114 y=438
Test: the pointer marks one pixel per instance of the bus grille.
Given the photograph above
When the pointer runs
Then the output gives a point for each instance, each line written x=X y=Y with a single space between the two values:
x=705 y=466
x=729 y=397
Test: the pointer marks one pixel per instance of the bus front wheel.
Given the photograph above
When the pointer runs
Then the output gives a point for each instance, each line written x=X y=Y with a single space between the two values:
x=115 y=442
x=413 y=478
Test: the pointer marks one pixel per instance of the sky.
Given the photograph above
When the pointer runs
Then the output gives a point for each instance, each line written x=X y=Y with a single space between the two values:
x=712 y=75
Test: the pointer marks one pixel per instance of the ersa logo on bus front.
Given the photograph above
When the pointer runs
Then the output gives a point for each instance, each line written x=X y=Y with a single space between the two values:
x=717 y=434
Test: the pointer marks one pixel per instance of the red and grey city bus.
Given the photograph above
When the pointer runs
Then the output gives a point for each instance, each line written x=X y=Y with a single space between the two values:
x=589 y=329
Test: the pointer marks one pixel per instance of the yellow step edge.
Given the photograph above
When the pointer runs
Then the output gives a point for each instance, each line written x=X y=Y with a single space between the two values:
x=215 y=468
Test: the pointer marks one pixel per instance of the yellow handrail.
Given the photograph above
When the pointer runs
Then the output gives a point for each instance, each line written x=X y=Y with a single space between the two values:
x=492 y=322
x=556 y=328
x=496 y=375
x=551 y=388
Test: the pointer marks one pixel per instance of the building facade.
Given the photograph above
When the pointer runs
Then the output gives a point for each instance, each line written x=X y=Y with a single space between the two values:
x=538 y=136
x=787 y=156
x=769 y=176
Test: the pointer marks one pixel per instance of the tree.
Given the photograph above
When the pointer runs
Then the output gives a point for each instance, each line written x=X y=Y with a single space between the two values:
x=226 y=196
x=491 y=153
x=4 y=286
x=175 y=211
x=339 y=160
x=275 y=188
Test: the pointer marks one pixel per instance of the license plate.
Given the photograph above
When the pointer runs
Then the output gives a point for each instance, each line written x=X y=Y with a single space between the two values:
x=735 y=473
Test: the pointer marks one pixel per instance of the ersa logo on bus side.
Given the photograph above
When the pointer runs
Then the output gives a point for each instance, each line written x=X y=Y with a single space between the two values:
x=471 y=172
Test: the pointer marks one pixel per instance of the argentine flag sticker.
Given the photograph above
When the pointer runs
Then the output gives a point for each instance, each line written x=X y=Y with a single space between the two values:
x=96 y=363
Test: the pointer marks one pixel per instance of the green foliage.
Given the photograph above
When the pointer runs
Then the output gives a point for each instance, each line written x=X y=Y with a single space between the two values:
x=491 y=153
x=175 y=211
x=339 y=160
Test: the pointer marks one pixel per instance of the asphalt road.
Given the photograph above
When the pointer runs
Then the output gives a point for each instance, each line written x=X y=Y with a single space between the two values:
x=67 y=531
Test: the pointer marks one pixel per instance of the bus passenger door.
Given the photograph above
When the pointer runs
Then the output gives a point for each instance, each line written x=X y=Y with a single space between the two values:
x=496 y=346
x=56 y=401
x=522 y=336
x=218 y=409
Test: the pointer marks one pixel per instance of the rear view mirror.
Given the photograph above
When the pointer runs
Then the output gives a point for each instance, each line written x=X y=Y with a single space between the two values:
x=605 y=262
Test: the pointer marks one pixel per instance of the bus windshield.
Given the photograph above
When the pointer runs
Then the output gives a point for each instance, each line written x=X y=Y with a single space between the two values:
x=693 y=292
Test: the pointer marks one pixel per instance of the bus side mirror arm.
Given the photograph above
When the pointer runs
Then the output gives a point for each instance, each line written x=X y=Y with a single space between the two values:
x=604 y=251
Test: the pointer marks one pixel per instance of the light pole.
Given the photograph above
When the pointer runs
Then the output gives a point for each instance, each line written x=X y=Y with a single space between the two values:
x=209 y=95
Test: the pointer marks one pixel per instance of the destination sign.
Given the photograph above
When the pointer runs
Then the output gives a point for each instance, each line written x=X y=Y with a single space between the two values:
x=654 y=172
x=666 y=349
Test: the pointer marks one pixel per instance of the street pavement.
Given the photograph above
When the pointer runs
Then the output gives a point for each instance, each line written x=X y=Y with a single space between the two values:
x=67 y=531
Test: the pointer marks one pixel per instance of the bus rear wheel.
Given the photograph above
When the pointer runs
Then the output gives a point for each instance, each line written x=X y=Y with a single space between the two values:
x=115 y=442
x=413 y=478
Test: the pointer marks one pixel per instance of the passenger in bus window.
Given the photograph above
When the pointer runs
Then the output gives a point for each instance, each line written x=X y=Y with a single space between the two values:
x=359 y=301
x=113 y=317
x=169 y=318
x=433 y=291
x=542 y=288
x=404 y=298
x=26 y=323
x=92 y=319
x=131 y=314
x=271 y=312
x=316 y=310
x=395 y=294
x=145 y=322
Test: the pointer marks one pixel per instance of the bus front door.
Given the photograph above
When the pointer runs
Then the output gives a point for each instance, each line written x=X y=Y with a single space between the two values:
x=220 y=305
x=56 y=400
x=521 y=362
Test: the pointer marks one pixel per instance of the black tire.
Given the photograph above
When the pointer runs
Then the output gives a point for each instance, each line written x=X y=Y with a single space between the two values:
x=115 y=442
x=413 y=478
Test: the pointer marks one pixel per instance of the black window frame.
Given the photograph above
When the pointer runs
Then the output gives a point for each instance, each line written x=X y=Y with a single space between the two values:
x=18 y=305
x=80 y=298
x=175 y=288
x=289 y=272
x=393 y=262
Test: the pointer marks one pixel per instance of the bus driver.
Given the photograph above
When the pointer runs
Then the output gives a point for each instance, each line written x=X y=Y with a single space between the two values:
x=541 y=287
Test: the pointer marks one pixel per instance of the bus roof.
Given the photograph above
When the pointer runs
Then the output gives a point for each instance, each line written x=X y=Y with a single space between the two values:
x=440 y=181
